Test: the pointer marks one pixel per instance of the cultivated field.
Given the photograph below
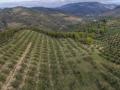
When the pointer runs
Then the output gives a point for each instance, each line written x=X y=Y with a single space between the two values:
x=34 y=61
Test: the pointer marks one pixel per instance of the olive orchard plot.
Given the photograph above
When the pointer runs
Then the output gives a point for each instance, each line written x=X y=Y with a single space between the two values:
x=34 y=61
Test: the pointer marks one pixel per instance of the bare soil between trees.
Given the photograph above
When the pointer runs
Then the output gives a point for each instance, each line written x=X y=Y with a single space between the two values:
x=10 y=77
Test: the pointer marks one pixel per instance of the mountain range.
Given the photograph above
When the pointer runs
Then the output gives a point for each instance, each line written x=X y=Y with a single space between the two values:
x=86 y=8
x=81 y=9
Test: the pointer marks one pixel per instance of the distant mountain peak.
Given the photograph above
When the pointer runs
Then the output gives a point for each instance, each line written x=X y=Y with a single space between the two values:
x=86 y=8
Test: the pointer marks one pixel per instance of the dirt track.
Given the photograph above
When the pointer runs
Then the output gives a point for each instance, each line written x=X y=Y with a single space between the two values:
x=16 y=68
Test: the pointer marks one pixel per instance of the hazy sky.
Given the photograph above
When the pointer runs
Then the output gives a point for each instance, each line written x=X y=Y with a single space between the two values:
x=50 y=1
x=47 y=3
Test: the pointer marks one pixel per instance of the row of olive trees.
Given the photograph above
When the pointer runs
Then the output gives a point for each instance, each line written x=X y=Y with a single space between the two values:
x=86 y=38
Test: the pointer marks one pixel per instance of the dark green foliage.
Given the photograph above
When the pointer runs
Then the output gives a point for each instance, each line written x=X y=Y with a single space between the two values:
x=86 y=38
x=2 y=77
x=15 y=83
x=112 y=48
x=7 y=35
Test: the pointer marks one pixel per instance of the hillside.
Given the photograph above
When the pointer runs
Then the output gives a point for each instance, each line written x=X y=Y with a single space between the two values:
x=35 y=17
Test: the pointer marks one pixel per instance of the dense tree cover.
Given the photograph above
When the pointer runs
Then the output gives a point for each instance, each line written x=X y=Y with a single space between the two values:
x=86 y=38
x=112 y=48
x=7 y=34
x=99 y=28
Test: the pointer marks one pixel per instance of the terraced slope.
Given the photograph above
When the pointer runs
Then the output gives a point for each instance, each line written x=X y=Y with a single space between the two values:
x=34 y=61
